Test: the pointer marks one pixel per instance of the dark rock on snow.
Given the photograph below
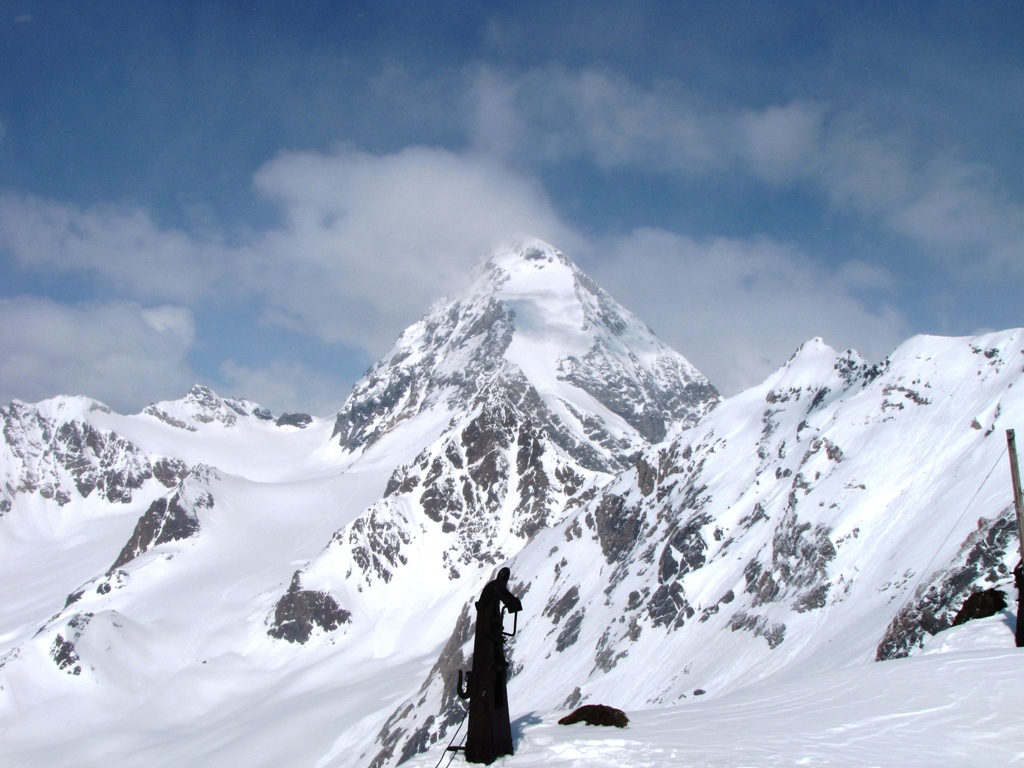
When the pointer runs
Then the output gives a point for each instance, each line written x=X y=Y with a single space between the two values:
x=300 y=610
x=596 y=714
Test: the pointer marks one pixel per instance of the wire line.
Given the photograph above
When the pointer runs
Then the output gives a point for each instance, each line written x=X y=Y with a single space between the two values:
x=917 y=585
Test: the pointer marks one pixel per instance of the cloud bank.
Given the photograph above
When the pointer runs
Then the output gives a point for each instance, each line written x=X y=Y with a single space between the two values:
x=368 y=242
x=362 y=242
x=116 y=352
x=950 y=208
x=738 y=308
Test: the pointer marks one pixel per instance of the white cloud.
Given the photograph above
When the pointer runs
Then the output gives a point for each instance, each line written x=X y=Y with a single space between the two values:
x=951 y=210
x=496 y=123
x=117 y=245
x=550 y=113
x=365 y=244
x=285 y=387
x=368 y=242
x=779 y=143
x=865 y=172
x=174 y=321
x=959 y=211
x=117 y=352
x=737 y=309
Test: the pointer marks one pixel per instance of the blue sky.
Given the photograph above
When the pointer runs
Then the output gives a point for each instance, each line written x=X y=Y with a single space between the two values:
x=260 y=196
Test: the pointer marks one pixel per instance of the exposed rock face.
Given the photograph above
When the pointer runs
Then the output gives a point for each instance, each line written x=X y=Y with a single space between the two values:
x=63 y=650
x=779 y=527
x=736 y=532
x=61 y=458
x=415 y=375
x=934 y=606
x=300 y=610
x=171 y=518
x=485 y=489
x=300 y=420
x=980 y=605
x=626 y=391
x=169 y=471
x=114 y=579
x=799 y=564
x=498 y=457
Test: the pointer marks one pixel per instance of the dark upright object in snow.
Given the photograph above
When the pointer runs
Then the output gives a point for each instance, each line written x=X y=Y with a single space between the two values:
x=1018 y=506
x=490 y=730
x=1018 y=580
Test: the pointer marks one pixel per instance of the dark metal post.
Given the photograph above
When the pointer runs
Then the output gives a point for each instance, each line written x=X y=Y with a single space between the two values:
x=490 y=730
x=1018 y=505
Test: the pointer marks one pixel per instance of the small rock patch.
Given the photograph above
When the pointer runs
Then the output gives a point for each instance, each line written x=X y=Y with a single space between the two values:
x=596 y=714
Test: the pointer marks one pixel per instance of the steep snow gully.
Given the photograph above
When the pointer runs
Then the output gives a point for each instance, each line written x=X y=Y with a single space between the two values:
x=765 y=580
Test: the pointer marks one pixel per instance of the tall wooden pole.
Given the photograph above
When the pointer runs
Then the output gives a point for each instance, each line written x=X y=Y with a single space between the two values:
x=1018 y=501
x=1018 y=505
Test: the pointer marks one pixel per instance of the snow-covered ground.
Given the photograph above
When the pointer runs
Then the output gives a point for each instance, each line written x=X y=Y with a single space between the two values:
x=956 y=703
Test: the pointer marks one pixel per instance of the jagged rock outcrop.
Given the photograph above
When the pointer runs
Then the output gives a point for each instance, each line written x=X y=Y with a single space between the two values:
x=596 y=714
x=743 y=532
x=300 y=420
x=300 y=611
x=980 y=605
x=981 y=561
x=171 y=518
x=63 y=650
x=535 y=423
x=51 y=451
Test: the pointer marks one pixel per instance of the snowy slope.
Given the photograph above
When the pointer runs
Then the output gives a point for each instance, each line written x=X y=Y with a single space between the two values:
x=958 y=708
x=103 y=642
x=205 y=584
x=796 y=527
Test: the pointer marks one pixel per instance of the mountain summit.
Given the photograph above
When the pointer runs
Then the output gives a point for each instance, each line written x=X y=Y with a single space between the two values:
x=535 y=331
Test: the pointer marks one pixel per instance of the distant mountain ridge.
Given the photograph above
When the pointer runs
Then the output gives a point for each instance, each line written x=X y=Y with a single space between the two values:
x=296 y=591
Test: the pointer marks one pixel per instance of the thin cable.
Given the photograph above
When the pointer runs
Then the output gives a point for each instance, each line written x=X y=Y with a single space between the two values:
x=925 y=570
x=449 y=747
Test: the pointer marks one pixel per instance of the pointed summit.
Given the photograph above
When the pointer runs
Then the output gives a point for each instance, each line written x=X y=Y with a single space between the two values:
x=534 y=330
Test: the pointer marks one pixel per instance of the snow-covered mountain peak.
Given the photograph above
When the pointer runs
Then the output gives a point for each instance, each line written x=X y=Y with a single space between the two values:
x=534 y=329
x=539 y=284
x=813 y=366
x=524 y=260
x=60 y=409
x=203 y=406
